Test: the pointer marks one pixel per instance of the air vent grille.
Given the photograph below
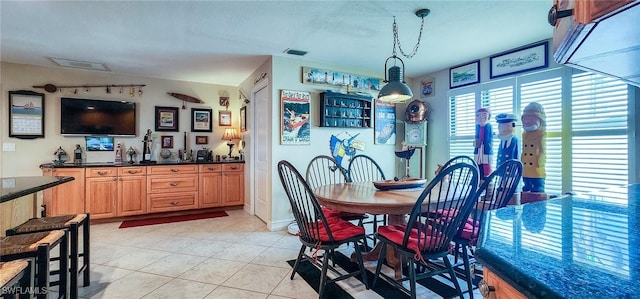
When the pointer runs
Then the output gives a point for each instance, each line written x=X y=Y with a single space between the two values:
x=80 y=64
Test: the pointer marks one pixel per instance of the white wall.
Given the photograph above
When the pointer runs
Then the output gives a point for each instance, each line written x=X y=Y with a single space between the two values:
x=30 y=153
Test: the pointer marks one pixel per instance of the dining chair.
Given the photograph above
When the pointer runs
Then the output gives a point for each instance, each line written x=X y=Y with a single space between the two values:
x=325 y=170
x=317 y=231
x=494 y=193
x=424 y=242
x=456 y=160
x=363 y=168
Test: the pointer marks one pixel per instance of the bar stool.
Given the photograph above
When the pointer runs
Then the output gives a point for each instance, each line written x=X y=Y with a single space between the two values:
x=70 y=223
x=37 y=246
x=14 y=277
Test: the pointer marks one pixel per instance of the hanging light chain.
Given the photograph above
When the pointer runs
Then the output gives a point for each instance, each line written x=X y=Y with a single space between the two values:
x=396 y=40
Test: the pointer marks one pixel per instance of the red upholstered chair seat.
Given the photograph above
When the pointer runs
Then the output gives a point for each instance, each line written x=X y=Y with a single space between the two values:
x=470 y=230
x=330 y=213
x=340 y=229
x=395 y=233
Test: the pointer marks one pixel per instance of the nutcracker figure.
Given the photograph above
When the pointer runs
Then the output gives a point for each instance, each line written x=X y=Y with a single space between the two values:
x=482 y=145
x=533 y=148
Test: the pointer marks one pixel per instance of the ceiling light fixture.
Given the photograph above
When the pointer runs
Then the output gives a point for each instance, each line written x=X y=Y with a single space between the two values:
x=396 y=90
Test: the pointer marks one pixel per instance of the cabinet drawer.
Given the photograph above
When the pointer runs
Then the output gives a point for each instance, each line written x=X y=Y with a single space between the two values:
x=232 y=167
x=101 y=172
x=132 y=171
x=210 y=168
x=172 y=202
x=173 y=169
x=172 y=183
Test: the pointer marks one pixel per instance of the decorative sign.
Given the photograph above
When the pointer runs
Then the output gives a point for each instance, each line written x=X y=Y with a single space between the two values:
x=427 y=86
x=296 y=127
x=385 y=123
x=520 y=60
x=333 y=78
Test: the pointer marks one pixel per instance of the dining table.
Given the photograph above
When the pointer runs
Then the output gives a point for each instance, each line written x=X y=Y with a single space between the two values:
x=364 y=197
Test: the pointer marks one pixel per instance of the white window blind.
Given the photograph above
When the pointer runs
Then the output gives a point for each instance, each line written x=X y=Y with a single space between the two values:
x=599 y=132
x=462 y=121
x=498 y=100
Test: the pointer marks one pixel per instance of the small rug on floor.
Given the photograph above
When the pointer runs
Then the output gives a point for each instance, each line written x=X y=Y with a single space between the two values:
x=161 y=220
x=311 y=275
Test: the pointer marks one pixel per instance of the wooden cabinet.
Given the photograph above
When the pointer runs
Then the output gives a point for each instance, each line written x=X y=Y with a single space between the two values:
x=172 y=188
x=221 y=185
x=115 y=191
x=67 y=198
x=587 y=11
x=210 y=186
x=232 y=184
x=501 y=289
x=345 y=110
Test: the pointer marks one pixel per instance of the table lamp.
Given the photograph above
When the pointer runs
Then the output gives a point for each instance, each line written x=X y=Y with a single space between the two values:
x=230 y=134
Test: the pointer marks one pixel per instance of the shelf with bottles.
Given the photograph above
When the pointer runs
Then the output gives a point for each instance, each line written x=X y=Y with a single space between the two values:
x=345 y=110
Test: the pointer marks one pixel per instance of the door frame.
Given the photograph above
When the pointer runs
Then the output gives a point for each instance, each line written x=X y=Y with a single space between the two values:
x=263 y=84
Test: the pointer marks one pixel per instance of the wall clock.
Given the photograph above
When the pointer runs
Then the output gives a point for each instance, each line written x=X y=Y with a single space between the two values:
x=415 y=134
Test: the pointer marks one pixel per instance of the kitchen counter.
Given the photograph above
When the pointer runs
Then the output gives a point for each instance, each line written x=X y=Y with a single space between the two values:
x=125 y=164
x=579 y=246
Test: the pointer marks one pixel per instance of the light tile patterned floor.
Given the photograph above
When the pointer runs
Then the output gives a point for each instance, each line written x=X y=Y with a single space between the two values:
x=228 y=257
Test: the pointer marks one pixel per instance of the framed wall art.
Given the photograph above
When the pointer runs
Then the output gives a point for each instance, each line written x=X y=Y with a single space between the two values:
x=464 y=74
x=243 y=119
x=224 y=118
x=385 y=123
x=167 y=119
x=427 y=87
x=202 y=139
x=26 y=114
x=519 y=60
x=166 y=141
x=296 y=126
x=333 y=78
x=201 y=120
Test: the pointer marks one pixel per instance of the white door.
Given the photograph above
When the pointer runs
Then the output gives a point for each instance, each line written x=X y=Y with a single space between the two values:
x=261 y=149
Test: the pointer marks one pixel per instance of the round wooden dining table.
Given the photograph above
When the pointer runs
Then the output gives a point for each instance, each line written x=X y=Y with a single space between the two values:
x=363 y=197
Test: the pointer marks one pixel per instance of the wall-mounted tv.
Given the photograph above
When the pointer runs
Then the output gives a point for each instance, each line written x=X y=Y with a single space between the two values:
x=97 y=117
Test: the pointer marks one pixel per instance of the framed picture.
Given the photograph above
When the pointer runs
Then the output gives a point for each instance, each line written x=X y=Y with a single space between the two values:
x=167 y=141
x=427 y=86
x=167 y=119
x=519 y=60
x=201 y=120
x=295 y=112
x=464 y=74
x=26 y=114
x=224 y=118
x=243 y=119
x=202 y=139
x=385 y=123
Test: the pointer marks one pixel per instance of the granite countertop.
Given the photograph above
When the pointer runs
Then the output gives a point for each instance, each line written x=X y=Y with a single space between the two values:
x=580 y=246
x=17 y=187
x=125 y=164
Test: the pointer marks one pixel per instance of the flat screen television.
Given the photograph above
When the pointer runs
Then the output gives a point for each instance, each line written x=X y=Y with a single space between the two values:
x=97 y=117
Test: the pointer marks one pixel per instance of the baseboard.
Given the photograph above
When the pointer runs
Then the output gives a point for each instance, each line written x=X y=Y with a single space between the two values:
x=279 y=225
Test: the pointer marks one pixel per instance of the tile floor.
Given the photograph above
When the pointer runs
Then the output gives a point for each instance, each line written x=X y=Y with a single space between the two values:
x=226 y=257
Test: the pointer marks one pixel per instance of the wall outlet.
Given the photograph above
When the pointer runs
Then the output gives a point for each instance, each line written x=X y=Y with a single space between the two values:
x=8 y=147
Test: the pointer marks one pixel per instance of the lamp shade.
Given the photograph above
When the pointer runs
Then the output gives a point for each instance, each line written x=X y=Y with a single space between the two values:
x=230 y=134
x=395 y=91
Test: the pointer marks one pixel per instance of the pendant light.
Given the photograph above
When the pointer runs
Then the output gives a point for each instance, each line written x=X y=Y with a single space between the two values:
x=397 y=90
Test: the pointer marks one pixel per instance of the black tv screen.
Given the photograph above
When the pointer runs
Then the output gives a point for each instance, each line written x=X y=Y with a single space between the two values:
x=97 y=117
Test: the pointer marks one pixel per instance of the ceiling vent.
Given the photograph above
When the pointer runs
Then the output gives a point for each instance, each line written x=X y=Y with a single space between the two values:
x=296 y=52
x=81 y=64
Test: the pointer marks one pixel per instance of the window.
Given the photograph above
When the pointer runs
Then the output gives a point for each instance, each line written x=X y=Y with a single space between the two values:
x=586 y=117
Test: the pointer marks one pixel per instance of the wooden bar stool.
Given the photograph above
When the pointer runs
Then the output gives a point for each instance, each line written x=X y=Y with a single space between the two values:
x=72 y=224
x=14 y=277
x=37 y=246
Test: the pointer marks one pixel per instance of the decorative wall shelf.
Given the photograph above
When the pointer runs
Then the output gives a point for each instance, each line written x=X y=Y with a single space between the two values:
x=345 y=110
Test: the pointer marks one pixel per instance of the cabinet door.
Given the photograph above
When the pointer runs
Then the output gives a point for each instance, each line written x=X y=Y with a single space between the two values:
x=233 y=188
x=210 y=190
x=101 y=196
x=67 y=198
x=132 y=195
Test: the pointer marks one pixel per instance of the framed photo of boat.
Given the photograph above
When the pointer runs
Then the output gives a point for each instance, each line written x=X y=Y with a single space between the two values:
x=464 y=74
x=26 y=114
x=201 y=120
x=167 y=119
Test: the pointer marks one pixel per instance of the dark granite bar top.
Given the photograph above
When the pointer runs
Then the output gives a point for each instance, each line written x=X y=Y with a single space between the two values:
x=17 y=187
x=580 y=246
x=125 y=164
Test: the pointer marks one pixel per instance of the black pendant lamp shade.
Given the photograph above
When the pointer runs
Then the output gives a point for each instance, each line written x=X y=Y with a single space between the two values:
x=396 y=89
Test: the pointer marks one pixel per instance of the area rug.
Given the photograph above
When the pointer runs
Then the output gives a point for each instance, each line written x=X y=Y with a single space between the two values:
x=161 y=220
x=311 y=275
